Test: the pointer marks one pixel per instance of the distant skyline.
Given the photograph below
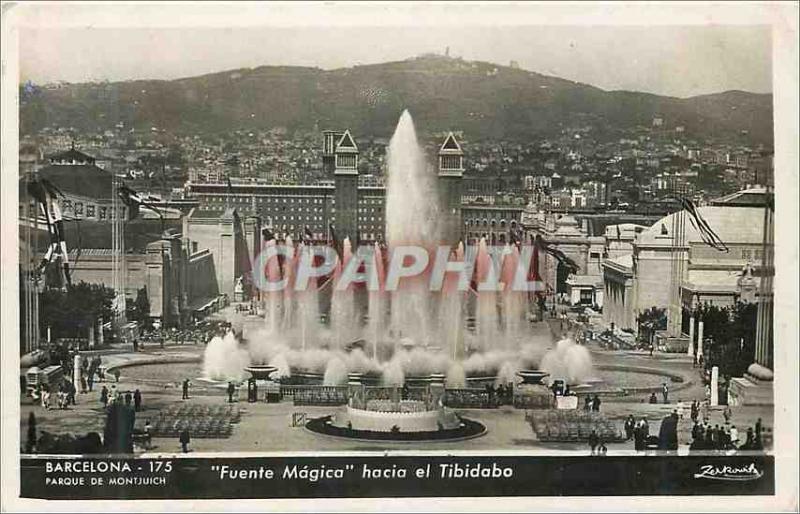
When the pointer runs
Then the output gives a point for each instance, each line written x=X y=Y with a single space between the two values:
x=674 y=61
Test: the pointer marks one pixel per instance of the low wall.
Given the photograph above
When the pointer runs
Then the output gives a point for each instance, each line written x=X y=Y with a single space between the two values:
x=425 y=421
x=677 y=380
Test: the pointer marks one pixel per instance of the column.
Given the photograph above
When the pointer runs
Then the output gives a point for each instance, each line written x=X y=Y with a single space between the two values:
x=699 y=339
x=714 y=386
x=76 y=372
x=690 y=351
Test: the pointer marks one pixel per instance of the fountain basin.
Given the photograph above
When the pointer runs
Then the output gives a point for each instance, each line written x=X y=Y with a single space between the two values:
x=467 y=429
x=261 y=372
x=532 y=377
x=404 y=419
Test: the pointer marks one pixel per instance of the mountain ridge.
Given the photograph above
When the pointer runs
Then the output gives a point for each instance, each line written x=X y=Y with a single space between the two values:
x=483 y=99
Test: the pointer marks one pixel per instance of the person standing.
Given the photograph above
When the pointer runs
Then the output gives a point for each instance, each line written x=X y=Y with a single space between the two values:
x=137 y=400
x=629 y=426
x=593 y=441
x=46 y=398
x=231 y=390
x=185 y=389
x=665 y=392
x=695 y=430
x=30 y=444
x=71 y=392
x=637 y=437
x=727 y=414
x=587 y=404
x=104 y=396
x=716 y=438
x=90 y=379
x=83 y=382
x=596 y=403
x=184 y=440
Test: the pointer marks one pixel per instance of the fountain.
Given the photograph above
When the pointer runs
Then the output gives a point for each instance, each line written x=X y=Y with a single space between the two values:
x=323 y=333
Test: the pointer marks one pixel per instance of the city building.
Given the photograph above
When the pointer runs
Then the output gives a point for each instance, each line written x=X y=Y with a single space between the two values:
x=672 y=254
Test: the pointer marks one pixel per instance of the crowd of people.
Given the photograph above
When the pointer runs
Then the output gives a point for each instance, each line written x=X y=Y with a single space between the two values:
x=725 y=437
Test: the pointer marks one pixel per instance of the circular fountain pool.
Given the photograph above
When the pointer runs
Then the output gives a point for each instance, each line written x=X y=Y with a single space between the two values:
x=606 y=378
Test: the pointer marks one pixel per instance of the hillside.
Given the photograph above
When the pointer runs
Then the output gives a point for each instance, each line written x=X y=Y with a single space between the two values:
x=482 y=99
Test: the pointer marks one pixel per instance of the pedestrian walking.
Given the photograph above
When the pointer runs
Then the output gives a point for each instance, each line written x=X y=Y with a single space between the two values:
x=83 y=383
x=587 y=404
x=104 y=396
x=727 y=414
x=185 y=389
x=137 y=400
x=734 y=435
x=90 y=380
x=665 y=392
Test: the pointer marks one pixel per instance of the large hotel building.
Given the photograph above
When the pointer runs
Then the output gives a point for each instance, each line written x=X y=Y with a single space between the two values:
x=353 y=206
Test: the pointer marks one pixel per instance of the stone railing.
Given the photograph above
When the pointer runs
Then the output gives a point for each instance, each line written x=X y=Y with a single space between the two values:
x=469 y=399
x=315 y=395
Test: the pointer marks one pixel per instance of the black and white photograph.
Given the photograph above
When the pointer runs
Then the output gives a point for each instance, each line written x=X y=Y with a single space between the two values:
x=330 y=253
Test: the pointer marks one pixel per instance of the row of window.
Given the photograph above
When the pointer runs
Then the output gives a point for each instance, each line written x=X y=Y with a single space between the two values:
x=299 y=232
x=486 y=223
x=78 y=209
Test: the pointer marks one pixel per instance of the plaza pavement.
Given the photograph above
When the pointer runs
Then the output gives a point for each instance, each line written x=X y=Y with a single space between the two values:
x=267 y=427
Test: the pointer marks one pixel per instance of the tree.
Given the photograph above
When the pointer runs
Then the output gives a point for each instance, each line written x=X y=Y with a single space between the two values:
x=69 y=313
x=652 y=320
x=732 y=333
x=140 y=309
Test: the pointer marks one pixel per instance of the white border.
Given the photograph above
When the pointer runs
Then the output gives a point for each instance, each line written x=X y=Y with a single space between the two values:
x=781 y=16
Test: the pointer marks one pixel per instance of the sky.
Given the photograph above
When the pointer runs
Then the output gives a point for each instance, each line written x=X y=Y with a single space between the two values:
x=677 y=61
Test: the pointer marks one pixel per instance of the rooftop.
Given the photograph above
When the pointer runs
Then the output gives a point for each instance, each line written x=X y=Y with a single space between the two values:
x=86 y=180
x=733 y=224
